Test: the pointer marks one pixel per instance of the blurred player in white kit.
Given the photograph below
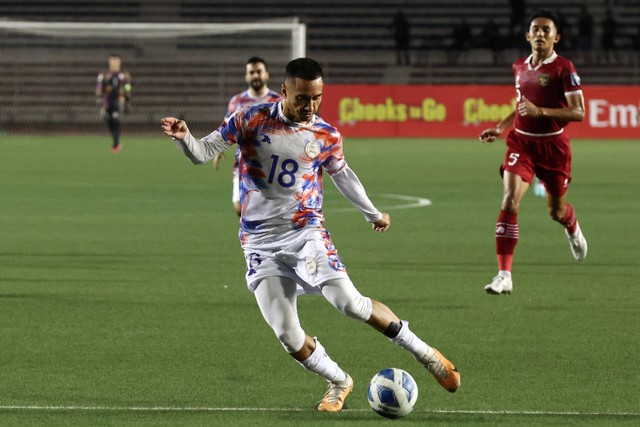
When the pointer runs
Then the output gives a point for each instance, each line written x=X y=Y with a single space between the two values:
x=257 y=77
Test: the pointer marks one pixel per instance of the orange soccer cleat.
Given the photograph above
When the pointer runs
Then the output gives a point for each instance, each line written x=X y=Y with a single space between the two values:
x=442 y=369
x=334 y=398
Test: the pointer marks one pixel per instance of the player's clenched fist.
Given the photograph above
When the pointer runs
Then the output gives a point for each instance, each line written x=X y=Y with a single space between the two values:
x=382 y=224
x=173 y=127
x=489 y=135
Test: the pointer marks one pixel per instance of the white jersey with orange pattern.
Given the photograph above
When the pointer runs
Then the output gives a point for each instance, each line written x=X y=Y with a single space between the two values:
x=281 y=172
x=244 y=99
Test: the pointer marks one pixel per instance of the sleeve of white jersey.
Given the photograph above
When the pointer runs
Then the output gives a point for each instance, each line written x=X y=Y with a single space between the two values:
x=202 y=150
x=347 y=182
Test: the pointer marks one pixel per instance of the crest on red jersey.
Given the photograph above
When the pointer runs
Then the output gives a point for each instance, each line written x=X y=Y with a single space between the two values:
x=544 y=79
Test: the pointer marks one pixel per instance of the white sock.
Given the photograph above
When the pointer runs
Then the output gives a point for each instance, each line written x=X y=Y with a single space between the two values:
x=410 y=341
x=321 y=364
x=504 y=273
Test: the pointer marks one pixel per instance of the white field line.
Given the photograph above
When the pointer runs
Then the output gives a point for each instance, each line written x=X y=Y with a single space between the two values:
x=411 y=202
x=248 y=409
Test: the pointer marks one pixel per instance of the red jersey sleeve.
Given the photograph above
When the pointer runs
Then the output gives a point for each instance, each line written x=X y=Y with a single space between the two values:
x=570 y=78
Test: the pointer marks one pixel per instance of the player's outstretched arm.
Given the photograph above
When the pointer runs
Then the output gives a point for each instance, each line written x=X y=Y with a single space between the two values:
x=197 y=150
x=382 y=224
x=490 y=135
x=174 y=128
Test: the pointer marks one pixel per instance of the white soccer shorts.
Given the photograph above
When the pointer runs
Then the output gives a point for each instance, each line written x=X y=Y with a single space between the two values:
x=310 y=259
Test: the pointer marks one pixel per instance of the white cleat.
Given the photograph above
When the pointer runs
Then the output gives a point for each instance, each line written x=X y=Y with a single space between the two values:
x=578 y=243
x=499 y=285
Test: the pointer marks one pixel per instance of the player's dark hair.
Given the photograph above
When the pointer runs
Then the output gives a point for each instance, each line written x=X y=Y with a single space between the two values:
x=257 y=60
x=304 y=68
x=547 y=14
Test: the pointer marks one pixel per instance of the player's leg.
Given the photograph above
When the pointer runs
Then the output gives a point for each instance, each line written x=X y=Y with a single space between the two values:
x=507 y=231
x=276 y=297
x=562 y=211
x=343 y=295
x=556 y=173
x=114 y=128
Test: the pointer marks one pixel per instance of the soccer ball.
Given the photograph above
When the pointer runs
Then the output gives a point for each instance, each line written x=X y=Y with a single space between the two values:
x=392 y=393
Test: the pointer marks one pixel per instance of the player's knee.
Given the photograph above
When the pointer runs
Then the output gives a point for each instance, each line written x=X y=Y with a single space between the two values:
x=358 y=308
x=292 y=339
x=510 y=203
x=347 y=300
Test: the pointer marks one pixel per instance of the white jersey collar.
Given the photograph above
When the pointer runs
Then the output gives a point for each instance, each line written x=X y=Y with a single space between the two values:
x=248 y=92
x=549 y=60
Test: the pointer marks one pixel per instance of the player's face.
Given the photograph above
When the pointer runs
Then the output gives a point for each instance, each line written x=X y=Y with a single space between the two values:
x=256 y=76
x=542 y=35
x=302 y=98
x=114 y=63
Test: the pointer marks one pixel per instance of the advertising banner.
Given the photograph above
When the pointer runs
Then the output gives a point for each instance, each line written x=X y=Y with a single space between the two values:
x=463 y=111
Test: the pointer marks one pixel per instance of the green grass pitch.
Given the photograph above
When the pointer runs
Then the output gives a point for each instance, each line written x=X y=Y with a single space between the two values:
x=123 y=301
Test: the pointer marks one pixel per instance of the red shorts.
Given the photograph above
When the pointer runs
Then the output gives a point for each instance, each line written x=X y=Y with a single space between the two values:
x=548 y=158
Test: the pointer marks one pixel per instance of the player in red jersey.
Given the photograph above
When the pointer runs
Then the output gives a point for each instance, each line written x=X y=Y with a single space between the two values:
x=548 y=95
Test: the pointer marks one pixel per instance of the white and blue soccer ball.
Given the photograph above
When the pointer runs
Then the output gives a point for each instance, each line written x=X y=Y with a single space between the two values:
x=392 y=393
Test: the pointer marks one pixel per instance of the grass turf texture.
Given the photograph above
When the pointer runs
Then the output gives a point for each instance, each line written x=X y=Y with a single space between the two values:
x=121 y=287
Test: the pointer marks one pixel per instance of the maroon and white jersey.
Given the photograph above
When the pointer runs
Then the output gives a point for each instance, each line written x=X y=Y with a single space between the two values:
x=545 y=85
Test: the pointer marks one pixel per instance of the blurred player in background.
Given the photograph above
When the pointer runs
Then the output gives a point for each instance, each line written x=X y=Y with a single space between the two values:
x=285 y=146
x=538 y=188
x=257 y=77
x=113 y=94
x=548 y=95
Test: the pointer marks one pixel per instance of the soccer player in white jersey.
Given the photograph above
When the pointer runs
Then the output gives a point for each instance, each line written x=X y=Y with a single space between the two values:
x=257 y=76
x=285 y=146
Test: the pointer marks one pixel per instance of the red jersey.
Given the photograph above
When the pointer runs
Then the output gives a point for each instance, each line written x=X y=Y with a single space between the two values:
x=545 y=85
